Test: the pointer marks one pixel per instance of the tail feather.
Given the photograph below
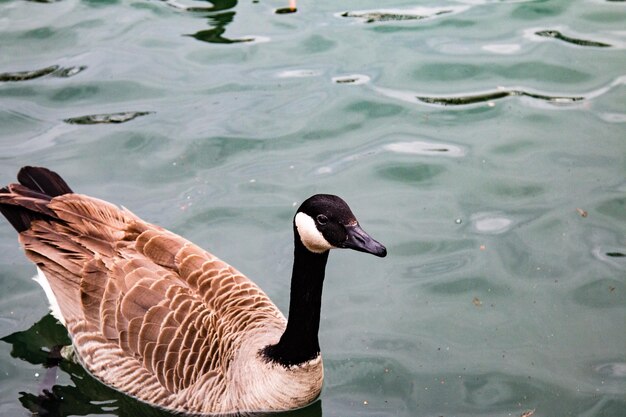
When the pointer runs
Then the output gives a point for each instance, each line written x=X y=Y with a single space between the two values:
x=43 y=180
x=18 y=217
x=22 y=203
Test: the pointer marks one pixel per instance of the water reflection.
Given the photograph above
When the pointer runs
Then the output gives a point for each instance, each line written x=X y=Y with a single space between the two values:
x=355 y=79
x=53 y=70
x=576 y=41
x=215 y=35
x=106 y=118
x=395 y=15
x=489 y=96
x=220 y=16
x=42 y=345
x=216 y=6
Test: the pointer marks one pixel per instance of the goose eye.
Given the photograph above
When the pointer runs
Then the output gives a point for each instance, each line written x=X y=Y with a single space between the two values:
x=321 y=219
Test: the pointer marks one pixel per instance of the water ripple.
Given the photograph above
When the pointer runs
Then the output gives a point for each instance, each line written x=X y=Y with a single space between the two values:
x=27 y=75
x=217 y=21
x=482 y=97
x=354 y=79
x=53 y=70
x=217 y=6
x=423 y=148
x=576 y=41
x=286 y=10
x=215 y=34
x=612 y=369
x=607 y=39
x=299 y=73
x=491 y=223
x=440 y=266
x=602 y=293
x=610 y=255
x=497 y=94
x=613 y=117
x=395 y=15
x=106 y=118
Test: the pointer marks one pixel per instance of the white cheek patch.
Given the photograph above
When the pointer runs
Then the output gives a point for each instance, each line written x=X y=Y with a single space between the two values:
x=312 y=238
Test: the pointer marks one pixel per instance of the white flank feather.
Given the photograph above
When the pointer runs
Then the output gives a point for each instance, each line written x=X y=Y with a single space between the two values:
x=41 y=279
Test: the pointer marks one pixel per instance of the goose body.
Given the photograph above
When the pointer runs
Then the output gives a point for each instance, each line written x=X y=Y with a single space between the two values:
x=158 y=318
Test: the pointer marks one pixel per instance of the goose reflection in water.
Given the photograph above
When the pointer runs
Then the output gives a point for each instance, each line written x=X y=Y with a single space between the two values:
x=220 y=15
x=219 y=22
x=43 y=344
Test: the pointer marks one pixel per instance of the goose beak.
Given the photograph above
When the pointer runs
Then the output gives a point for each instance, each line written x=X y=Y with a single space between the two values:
x=361 y=241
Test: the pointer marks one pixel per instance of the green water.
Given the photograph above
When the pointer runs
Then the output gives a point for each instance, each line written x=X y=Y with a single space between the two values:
x=484 y=142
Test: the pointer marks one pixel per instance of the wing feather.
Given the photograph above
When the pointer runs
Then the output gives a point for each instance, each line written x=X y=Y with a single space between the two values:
x=149 y=312
x=92 y=287
x=138 y=300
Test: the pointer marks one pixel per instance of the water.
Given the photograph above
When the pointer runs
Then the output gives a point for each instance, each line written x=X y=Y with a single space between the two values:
x=482 y=141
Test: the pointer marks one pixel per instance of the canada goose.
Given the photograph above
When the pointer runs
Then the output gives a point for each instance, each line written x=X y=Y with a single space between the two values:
x=156 y=317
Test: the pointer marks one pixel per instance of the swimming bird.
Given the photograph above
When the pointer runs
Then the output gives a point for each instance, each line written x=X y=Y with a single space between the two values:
x=160 y=319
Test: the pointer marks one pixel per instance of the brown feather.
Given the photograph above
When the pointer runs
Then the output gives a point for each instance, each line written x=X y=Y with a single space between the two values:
x=149 y=313
x=134 y=328
x=148 y=354
x=162 y=249
x=92 y=288
x=138 y=301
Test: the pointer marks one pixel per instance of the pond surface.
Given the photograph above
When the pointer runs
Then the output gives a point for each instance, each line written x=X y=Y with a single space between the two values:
x=483 y=141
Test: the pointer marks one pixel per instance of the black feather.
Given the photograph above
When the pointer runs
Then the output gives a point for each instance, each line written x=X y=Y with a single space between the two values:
x=43 y=180
x=23 y=203
x=19 y=217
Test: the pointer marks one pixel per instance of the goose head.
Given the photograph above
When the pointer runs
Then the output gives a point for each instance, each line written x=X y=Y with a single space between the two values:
x=325 y=222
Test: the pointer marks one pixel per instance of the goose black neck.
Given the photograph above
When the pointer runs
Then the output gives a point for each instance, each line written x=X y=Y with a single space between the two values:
x=299 y=342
